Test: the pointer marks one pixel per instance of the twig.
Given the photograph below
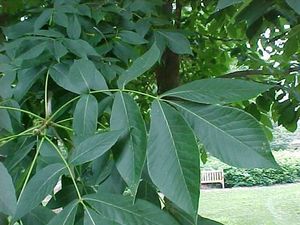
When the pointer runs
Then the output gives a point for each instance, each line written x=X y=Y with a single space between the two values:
x=246 y=73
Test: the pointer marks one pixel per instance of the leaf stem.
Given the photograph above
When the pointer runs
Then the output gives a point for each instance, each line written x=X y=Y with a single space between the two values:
x=24 y=133
x=68 y=167
x=125 y=90
x=62 y=107
x=46 y=95
x=31 y=166
x=100 y=91
x=64 y=120
x=21 y=110
x=61 y=126
x=140 y=93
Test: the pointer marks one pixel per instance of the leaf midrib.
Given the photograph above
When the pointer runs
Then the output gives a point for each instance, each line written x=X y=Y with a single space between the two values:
x=177 y=157
x=91 y=148
x=85 y=113
x=217 y=128
x=130 y=136
x=47 y=180
x=84 y=80
x=70 y=212
x=123 y=209
x=92 y=219
x=197 y=91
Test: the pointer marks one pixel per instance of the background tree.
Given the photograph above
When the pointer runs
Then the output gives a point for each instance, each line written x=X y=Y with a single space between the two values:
x=98 y=94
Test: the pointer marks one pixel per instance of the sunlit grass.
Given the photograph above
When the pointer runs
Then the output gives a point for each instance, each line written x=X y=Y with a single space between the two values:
x=274 y=205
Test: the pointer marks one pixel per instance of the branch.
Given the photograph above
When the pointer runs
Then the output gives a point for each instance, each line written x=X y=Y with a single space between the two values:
x=221 y=38
x=246 y=73
x=277 y=37
x=178 y=14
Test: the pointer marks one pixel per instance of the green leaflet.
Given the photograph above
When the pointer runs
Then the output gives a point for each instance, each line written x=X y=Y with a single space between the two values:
x=222 y=4
x=218 y=91
x=5 y=121
x=130 y=151
x=58 y=50
x=59 y=73
x=177 y=42
x=26 y=79
x=101 y=168
x=48 y=33
x=132 y=37
x=229 y=134
x=60 y=18
x=253 y=13
x=206 y=221
x=8 y=200
x=142 y=26
x=114 y=183
x=140 y=66
x=34 y=52
x=18 y=30
x=120 y=209
x=84 y=10
x=38 y=216
x=48 y=153
x=294 y=4
x=74 y=27
x=185 y=219
x=105 y=104
x=85 y=116
x=80 y=48
x=123 y=51
x=67 y=216
x=24 y=148
x=43 y=19
x=80 y=78
x=6 y=81
x=39 y=186
x=173 y=157
x=148 y=192
x=85 y=76
x=14 y=114
x=93 y=218
x=94 y=146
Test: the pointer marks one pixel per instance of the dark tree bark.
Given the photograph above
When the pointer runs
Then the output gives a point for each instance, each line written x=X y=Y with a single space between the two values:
x=167 y=73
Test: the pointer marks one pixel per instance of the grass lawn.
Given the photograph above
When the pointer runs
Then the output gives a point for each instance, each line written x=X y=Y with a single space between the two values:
x=274 y=205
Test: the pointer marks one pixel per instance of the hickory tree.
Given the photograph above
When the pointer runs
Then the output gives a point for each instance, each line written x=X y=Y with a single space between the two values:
x=119 y=100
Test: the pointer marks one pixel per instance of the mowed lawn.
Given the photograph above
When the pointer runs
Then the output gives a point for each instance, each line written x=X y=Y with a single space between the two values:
x=274 y=205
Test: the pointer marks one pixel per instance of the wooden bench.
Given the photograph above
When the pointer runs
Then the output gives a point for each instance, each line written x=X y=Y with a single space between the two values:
x=213 y=176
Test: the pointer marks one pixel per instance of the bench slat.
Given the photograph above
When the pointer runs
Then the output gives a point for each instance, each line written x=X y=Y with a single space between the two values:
x=209 y=177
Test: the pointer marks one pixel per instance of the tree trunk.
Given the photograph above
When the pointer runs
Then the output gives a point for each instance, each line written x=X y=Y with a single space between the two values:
x=167 y=74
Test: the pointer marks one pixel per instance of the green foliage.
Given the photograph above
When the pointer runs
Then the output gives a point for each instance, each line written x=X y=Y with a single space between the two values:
x=217 y=91
x=294 y=5
x=255 y=177
x=94 y=146
x=79 y=104
x=237 y=148
x=140 y=66
x=67 y=216
x=169 y=136
x=41 y=184
x=132 y=146
x=141 y=212
x=7 y=197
